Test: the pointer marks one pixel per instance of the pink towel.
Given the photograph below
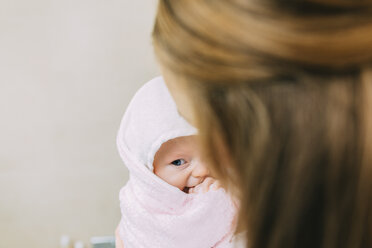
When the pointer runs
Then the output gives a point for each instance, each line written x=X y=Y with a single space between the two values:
x=154 y=213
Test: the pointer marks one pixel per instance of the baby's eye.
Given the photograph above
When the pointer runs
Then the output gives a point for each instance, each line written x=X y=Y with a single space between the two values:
x=178 y=162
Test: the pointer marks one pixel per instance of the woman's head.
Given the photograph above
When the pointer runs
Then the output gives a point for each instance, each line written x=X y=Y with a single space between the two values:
x=282 y=94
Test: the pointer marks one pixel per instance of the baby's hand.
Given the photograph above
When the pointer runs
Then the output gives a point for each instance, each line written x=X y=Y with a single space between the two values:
x=208 y=183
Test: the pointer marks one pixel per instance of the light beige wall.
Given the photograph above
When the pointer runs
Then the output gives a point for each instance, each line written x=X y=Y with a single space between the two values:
x=68 y=69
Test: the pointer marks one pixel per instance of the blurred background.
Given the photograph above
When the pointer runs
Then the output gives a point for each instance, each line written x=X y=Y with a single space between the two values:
x=68 y=69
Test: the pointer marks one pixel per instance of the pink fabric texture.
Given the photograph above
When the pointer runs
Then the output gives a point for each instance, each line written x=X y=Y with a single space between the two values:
x=154 y=213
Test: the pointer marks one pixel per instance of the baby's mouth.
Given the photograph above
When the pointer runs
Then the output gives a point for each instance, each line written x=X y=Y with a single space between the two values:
x=187 y=189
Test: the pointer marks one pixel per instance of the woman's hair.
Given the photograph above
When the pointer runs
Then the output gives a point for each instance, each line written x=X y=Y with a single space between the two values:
x=282 y=94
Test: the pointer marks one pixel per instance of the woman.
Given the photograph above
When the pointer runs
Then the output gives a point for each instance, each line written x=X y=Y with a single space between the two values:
x=282 y=94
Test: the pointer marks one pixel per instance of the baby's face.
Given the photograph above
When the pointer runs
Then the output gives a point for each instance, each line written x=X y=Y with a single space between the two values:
x=176 y=163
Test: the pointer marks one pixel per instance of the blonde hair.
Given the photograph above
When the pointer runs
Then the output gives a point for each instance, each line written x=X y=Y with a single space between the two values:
x=282 y=94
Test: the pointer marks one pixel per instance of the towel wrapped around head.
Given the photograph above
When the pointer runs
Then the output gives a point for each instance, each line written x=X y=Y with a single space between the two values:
x=156 y=214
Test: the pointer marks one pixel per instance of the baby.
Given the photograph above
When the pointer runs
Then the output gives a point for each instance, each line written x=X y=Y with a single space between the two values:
x=170 y=201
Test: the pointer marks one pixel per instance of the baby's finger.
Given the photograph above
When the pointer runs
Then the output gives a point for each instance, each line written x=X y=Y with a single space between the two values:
x=197 y=188
x=216 y=185
x=207 y=183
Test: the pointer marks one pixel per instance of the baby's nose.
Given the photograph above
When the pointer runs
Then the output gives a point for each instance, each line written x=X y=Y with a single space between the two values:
x=200 y=170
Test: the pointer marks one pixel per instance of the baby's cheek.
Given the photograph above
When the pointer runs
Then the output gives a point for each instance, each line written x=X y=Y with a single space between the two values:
x=177 y=181
x=173 y=178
